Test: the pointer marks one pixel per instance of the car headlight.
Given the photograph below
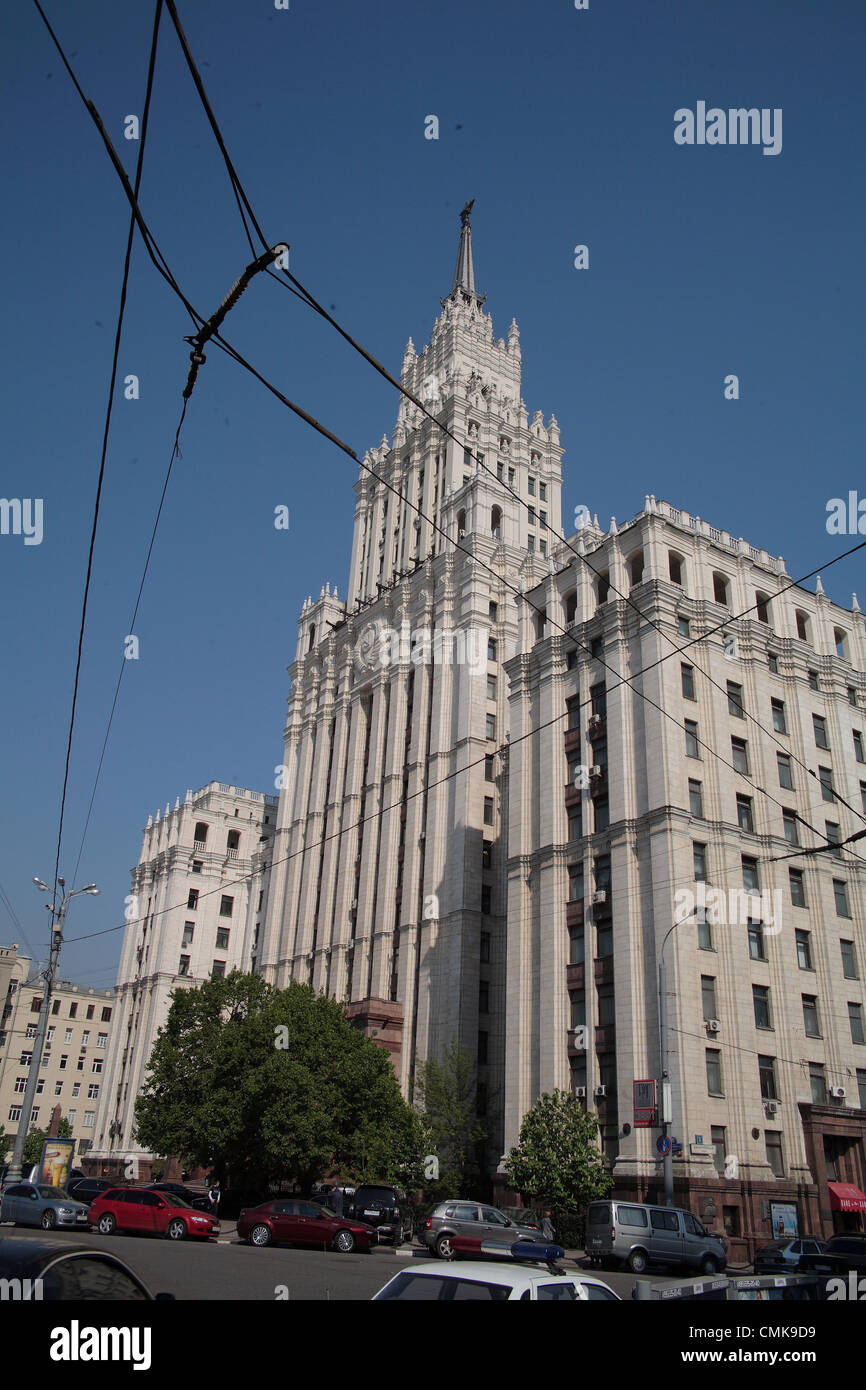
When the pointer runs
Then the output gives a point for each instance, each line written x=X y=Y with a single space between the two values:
x=65 y=1211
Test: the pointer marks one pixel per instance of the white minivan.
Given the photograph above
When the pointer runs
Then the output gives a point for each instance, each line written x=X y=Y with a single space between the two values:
x=636 y=1234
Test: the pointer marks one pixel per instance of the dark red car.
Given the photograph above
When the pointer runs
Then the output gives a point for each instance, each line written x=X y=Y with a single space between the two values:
x=157 y=1213
x=298 y=1222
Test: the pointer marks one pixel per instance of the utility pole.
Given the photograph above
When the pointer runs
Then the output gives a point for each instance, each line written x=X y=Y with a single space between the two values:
x=666 y=1112
x=14 y=1174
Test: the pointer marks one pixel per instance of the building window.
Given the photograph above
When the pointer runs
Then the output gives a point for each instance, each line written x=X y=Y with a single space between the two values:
x=720 y=588
x=482 y=1048
x=858 y=745
x=819 y=724
x=14 y=1112
x=699 y=862
x=192 y=900
x=780 y=723
x=575 y=883
x=483 y=997
x=833 y=837
x=718 y=1139
x=218 y=970
x=804 y=950
x=708 y=996
x=196 y=866
x=825 y=777
x=484 y=950
x=93 y=1091
x=530 y=485
x=183 y=966
x=813 y=681
x=714 y=1072
x=89 y=1119
x=490 y=726
x=102 y=1040
x=491 y=687
x=861 y=1087
x=20 y=1085
x=58 y=1088
x=487 y=854
x=491 y=649
x=96 y=1066
x=745 y=818
x=188 y=932
x=773 y=1143
x=849 y=960
x=696 y=798
x=76 y=1089
x=687 y=677
x=67 y=1035
x=691 y=739
x=755 y=932
x=488 y=773
x=64 y=1058
x=705 y=933
x=740 y=756
x=789 y=821
x=773 y=663
x=226 y=906
x=735 y=700
x=222 y=938
x=486 y=895
x=855 y=1018
x=767 y=1075
x=530 y=543
x=810 y=1015
x=575 y=822
x=817 y=1083
x=576 y=945
x=200 y=833
x=73 y=1010
x=493 y=611
x=786 y=779
x=683 y=628
x=840 y=894
x=798 y=887
x=761 y=1005
x=750 y=874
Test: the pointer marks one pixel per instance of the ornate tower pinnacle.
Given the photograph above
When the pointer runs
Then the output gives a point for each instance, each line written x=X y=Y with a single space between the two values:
x=464 y=272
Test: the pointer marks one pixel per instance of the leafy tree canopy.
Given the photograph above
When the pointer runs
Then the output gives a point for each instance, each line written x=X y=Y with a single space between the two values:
x=445 y=1094
x=266 y=1084
x=558 y=1161
x=36 y=1138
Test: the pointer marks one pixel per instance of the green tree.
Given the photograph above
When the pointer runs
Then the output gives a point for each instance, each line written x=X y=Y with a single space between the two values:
x=36 y=1138
x=445 y=1094
x=557 y=1162
x=267 y=1084
x=5 y=1143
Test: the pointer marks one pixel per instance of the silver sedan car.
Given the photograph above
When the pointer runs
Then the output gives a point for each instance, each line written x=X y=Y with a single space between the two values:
x=27 y=1204
x=475 y=1220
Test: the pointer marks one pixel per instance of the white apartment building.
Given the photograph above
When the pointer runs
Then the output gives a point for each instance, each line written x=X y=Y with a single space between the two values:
x=194 y=912
x=72 y=1074
x=698 y=730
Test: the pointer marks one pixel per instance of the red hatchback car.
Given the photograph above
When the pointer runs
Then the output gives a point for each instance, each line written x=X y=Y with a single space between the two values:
x=159 y=1213
x=304 y=1223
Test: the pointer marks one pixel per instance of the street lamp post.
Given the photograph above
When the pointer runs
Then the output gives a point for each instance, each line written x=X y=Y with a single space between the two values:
x=15 y=1172
x=666 y=1115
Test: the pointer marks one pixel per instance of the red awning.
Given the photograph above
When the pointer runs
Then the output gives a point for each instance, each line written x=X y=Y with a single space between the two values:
x=844 y=1196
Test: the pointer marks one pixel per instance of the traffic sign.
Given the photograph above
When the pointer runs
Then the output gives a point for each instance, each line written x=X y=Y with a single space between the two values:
x=663 y=1144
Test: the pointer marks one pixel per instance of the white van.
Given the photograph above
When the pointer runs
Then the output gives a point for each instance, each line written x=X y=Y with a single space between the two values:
x=635 y=1234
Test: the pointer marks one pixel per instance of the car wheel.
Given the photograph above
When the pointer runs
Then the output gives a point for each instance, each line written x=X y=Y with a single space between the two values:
x=259 y=1235
x=176 y=1229
x=344 y=1241
x=637 y=1261
x=444 y=1248
x=49 y=1220
x=709 y=1265
x=106 y=1224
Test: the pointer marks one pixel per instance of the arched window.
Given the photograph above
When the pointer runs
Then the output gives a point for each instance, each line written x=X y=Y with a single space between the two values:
x=569 y=603
x=762 y=606
x=635 y=567
x=840 y=640
x=461 y=524
x=802 y=625
x=675 y=567
x=540 y=623
x=602 y=588
x=496 y=522
x=311 y=637
x=720 y=587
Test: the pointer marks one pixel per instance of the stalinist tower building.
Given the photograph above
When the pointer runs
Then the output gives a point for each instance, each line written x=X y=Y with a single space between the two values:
x=388 y=884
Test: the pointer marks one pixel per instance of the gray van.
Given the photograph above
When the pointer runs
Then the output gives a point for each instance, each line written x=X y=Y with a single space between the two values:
x=636 y=1233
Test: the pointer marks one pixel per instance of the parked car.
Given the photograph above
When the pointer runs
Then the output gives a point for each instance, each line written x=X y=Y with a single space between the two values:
x=235 y=1199
x=387 y=1208
x=27 y=1204
x=842 y=1252
x=636 y=1234
x=70 y=1272
x=198 y=1200
x=155 y=1213
x=296 y=1222
x=474 y=1219
x=86 y=1190
x=783 y=1256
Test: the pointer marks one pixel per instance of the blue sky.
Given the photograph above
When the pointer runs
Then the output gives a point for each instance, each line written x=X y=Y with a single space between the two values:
x=704 y=261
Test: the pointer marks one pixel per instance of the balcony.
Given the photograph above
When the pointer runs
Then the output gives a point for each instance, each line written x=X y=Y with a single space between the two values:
x=572 y=795
x=574 y=915
x=602 y=970
x=571 y=739
x=603 y=911
x=575 y=975
x=572 y=1047
x=199 y=846
x=605 y=1037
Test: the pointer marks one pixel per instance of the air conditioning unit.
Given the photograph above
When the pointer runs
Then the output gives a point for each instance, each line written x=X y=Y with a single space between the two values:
x=354 y=904
x=837 y=1092
x=357 y=858
x=600 y=1091
x=596 y=771
x=770 y=1107
x=580 y=1092
x=594 y=723
x=713 y=1025
x=599 y=897
x=460 y=535
x=423 y=835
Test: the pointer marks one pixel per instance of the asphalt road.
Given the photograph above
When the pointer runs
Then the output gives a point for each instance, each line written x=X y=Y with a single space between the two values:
x=230 y=1269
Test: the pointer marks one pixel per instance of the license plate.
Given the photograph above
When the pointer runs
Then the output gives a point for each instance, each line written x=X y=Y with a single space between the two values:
x=370 y=1213
x=596 y=1241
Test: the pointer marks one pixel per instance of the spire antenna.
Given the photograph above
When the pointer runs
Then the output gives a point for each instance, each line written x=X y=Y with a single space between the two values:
x=464 y=273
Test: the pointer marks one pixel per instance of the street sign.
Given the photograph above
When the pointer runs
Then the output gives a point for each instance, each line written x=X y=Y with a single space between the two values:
x=663 y=1144
x=645 y=1105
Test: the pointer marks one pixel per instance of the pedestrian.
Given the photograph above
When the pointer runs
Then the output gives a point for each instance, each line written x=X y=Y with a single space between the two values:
x=547 y=1226
x=214 y=1195
x=337 y=1202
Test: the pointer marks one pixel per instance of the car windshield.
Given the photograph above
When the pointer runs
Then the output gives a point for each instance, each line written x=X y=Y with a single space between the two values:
x=441 y=1287
x=51 y=1192
x=374 y=1194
